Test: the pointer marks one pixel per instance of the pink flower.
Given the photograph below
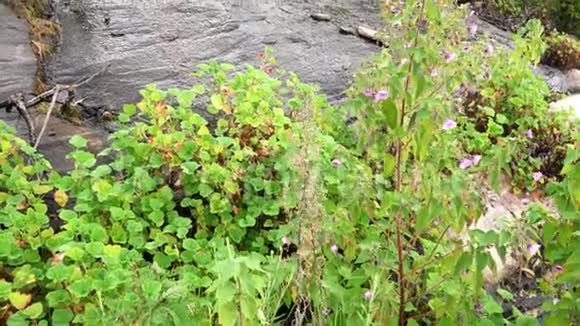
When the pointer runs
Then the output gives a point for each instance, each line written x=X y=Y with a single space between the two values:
x=381 y=95
x=432 y=72
x=449 y=124
x=530 y=134
x=488 y=49
x=449 y=56
x=465 y=163
x=472 y=29
x=538 y=176
x=336 y=163
x=368 y=92
x=469 y=161
x=334 y=248
x=368 y=295
x=558 y=269
x=466 y=48
x=525 y=201
x=533 y=248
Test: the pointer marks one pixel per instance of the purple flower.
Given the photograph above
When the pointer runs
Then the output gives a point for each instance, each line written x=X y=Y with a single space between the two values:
x=407 y=45
x=465 y=163
x=472 y=29
x=285 y=240
x=449 y=56
x=368 y=92
x=459 y=90
x=432 y=72
x=334 y=248
x=449 y=124
x=336 y=163
x=558 y=269
x=395 y=11
x=533 y=248
x=530 y=134
x=469 y=161
x=525 y=201
x=368 y=295
x=381 y=95
x=538 y=176
x=488 y=49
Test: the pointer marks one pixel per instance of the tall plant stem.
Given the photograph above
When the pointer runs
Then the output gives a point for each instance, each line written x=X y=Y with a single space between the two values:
x=398 y=180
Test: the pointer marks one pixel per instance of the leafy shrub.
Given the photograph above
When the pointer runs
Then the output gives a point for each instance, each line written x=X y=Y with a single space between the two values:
x=507 y=114
x=171 y=195
x=563 y=52
x=279 y=210
x=562 y=15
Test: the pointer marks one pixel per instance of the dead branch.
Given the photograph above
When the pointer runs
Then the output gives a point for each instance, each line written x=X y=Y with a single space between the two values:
x=47 y=118
x=17 y=101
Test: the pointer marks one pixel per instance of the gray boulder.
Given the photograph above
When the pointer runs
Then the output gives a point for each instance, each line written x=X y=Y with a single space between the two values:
x=161 y=42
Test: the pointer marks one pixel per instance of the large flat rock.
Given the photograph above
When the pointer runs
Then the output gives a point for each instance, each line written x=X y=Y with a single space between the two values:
x=17 y=62
x=162 y=42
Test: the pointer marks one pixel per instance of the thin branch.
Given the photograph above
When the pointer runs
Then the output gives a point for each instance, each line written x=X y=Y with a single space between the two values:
x=18 y=101
x=47 y=118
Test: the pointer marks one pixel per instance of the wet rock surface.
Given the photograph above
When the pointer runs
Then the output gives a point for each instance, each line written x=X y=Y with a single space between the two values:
x=161 y=42
x=17 y=75
x=17 y=62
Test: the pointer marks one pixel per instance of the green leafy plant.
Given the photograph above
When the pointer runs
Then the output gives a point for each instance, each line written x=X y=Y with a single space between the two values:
x=511 y=120
x=277 y=207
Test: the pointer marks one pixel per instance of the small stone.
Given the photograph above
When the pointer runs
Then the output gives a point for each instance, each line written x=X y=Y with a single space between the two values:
x=571 y=103
x=321 y=17
x=573 y=80
x=367 y=33
x=347 y=30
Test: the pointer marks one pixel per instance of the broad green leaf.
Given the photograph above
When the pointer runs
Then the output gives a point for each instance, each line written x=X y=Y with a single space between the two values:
x=61 y=198
x=152 y=289
x=19 y=300
x=190 y=167
x=34 y=311
x=41 y=189
x=390 y=112
x=78 y=141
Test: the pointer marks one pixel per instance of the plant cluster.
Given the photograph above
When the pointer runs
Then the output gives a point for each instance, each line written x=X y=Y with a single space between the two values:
x=563 y=51
x=506 y=113
x=562 y=15
x=280 y=208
